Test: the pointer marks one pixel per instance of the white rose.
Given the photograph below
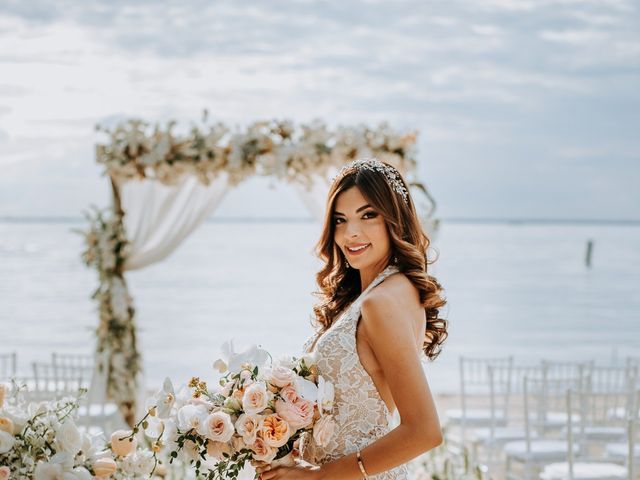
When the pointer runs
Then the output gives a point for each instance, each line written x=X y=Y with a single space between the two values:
x=191 y=417
x=255 y=398
x=323 y=430
x=7 y=441
x=48 y=471
x=81 y=473
x=69 y=438
x=280 y=376
x=218 y=427
x=247 y=426
x=143 y=463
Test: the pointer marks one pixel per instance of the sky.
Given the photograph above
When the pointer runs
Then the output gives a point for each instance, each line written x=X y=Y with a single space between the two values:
x=524 y=108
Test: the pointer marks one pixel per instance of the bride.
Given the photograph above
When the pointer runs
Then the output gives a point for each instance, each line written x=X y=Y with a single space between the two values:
x=378 y=315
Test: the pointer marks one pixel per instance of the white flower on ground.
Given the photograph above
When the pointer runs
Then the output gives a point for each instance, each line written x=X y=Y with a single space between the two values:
x=68 y=438
x=218 y=427
x=143 y=463
x=7 y=441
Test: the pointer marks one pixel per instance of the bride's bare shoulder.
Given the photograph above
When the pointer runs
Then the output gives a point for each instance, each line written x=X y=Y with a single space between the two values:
x=395 y=292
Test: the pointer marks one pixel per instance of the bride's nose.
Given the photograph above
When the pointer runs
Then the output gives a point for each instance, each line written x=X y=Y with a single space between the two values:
x=352 y=230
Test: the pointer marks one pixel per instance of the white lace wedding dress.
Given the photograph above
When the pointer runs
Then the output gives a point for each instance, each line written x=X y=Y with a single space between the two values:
x=360 y=413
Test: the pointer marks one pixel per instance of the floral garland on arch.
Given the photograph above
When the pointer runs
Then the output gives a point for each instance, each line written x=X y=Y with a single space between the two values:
x=136 y=150
x=106 y=251
x=274 y=148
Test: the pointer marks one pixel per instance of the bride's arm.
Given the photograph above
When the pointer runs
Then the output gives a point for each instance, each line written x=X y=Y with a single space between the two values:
x=389 y=326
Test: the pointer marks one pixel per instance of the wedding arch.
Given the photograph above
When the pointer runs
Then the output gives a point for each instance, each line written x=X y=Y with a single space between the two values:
x=165 y=184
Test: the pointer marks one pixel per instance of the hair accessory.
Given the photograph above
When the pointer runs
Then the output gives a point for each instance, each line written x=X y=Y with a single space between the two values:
x=391 y=174
x=361 y=465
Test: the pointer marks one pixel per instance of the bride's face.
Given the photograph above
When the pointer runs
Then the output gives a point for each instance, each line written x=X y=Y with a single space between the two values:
x=360 y=231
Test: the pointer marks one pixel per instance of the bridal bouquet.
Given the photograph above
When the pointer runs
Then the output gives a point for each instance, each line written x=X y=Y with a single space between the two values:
x=256 y=414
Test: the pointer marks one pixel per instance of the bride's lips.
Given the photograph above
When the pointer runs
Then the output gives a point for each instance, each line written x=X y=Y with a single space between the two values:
x=359 y=248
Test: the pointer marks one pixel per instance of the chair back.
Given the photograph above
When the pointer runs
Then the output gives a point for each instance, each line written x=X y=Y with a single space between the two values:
x=8 y=365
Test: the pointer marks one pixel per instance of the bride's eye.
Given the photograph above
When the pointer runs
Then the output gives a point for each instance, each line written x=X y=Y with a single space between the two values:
x=370 y=214
x=337 y=220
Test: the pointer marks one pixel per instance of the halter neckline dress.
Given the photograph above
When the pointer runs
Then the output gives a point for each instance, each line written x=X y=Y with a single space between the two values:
x=361 y=415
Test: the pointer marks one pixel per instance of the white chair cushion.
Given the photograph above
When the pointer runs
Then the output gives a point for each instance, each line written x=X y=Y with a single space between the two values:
x=584 y=471
x=474 y=417
x=620 y=451
x=501 y=435
x=541 y=450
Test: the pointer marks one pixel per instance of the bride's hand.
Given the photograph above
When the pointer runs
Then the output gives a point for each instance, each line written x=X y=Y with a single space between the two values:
x=298 y=472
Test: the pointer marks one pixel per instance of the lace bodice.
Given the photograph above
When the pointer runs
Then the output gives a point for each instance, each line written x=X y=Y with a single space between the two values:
x=360 y=413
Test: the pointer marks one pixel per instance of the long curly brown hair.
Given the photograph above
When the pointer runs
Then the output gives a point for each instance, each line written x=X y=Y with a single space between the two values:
x=340 y=286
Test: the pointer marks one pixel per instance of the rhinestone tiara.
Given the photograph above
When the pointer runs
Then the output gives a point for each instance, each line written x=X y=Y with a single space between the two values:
x=391 y=174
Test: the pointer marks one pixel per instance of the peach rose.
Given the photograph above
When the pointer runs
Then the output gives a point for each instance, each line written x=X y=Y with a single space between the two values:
x=323 y=430
x=275 y=431
x=255 y=398
x=247 y=426
x=6 y=425
x=218 y=427
x=103 y=467
x=298 y=414
x=262 y=451
x=123 y=447
x=217 y=449
x=4 y=473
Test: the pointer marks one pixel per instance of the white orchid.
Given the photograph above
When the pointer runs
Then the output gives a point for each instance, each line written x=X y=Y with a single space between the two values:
x=326 y=395
x=165 y=399
x=233 y=361
x=306 y=389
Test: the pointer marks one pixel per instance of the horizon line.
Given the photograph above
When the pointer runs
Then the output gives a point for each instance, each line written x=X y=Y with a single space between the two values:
x=243 y=219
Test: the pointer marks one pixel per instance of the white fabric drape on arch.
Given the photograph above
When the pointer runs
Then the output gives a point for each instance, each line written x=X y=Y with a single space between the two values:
x=159 y=217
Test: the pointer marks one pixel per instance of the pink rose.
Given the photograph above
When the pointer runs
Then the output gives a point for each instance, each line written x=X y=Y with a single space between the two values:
x=103 y=467
x=4 y=473
x=298 y=414
x=255 y=398
x=289 y=394
x=123 y=447
x=323 y=430
x=263 y=452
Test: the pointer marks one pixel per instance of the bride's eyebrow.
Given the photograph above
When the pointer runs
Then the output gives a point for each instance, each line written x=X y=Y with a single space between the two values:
x=357 y=211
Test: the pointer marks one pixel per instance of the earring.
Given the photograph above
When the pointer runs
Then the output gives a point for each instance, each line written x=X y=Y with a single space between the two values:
x=346 y=264
x=395 y=260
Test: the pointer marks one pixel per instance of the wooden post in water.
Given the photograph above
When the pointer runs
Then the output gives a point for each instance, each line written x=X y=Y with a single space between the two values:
x=587 y=258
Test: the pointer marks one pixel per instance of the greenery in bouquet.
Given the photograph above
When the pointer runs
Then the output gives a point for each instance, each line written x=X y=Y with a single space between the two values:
x=256 y=414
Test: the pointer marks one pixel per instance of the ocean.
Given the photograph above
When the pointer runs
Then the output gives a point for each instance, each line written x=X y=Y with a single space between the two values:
x=512 y=288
